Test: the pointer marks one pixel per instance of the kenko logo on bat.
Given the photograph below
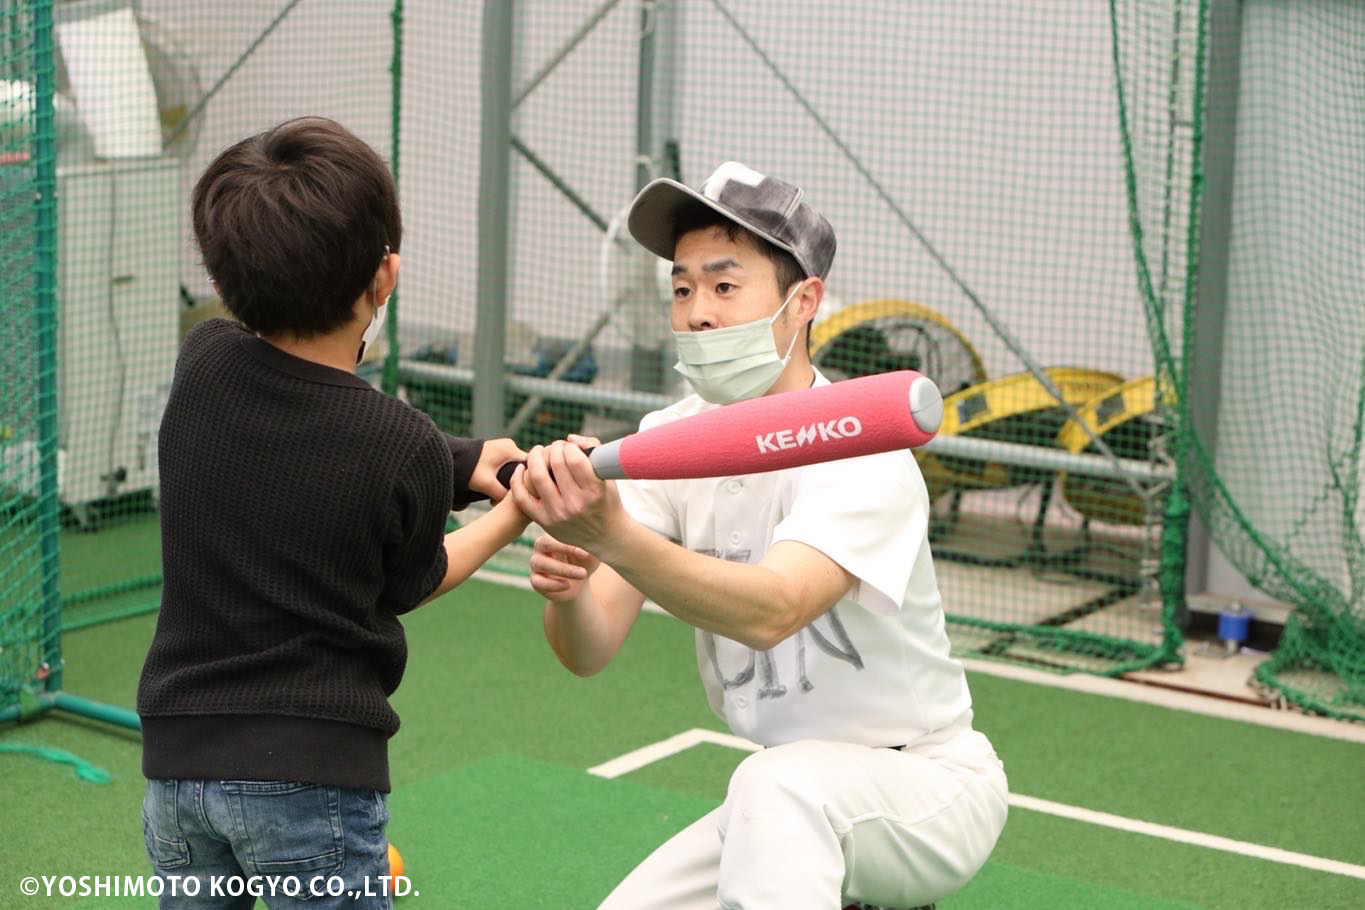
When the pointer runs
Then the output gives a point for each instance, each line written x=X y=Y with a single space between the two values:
x=838 y=428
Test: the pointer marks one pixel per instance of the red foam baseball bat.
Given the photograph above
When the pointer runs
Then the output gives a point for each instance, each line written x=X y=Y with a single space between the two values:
x=845 y=419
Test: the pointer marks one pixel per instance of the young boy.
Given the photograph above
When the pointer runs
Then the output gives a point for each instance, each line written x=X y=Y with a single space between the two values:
x=820 y=629
x=302 y=512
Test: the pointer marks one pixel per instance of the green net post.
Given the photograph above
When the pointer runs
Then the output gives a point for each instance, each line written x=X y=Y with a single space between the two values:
x=31 y=614
x=389 y=380
x=109 y=714
x=45 y=319
x=1171 y=576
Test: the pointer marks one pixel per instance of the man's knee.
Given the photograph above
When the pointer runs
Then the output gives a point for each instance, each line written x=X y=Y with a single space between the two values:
x=784 y=765
x=788 y=775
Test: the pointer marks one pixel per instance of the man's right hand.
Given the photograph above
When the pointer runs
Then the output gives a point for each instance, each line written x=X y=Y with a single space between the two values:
x=559 y=570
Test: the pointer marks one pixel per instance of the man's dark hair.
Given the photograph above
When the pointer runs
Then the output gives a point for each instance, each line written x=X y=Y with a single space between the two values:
x=292 y=224
x=788 y=270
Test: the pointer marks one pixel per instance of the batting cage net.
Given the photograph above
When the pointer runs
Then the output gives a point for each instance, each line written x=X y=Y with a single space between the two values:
x=970 y=160
x=1122 y=237
x=1273 y=383
x=29 y=622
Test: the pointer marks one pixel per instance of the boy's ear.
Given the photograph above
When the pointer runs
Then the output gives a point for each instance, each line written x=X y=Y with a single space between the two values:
x=387 y=276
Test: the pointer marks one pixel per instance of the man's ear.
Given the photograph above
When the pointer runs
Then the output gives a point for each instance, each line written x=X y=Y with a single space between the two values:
x=387 y=276
x=807 y=303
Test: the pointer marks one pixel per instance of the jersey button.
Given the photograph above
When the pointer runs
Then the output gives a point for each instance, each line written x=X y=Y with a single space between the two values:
x=741 y=701
x=735 y=538
x=734 y=486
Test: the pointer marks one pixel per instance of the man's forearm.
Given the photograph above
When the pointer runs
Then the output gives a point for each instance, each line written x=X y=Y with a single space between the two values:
x=748 y=603
x=580 y=633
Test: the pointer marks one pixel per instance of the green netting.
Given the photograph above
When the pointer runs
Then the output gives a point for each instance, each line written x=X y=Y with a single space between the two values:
x=969 y=158
x=1265 y=343
x=1021 y=197
x=147 y=93
x=140 y=94
x=29 y=645
x=1274 y=466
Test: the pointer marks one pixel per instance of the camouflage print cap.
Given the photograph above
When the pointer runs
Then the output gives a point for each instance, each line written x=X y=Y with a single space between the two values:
x=772 y=209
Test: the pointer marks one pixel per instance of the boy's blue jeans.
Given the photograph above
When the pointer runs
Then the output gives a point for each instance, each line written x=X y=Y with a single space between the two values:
x=291 y=844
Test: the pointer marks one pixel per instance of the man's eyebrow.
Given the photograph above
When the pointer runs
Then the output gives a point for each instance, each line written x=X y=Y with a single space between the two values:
x=715 y=265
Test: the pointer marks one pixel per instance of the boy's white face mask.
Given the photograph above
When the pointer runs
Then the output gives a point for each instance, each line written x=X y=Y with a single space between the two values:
x=376 y=325
x=381 y=312
x=734 y=363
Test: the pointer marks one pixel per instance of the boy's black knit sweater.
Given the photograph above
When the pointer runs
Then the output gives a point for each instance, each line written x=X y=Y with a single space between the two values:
x=301 y=511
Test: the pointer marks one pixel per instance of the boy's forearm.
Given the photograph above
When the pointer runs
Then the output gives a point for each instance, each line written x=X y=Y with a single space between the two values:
x=469 y=547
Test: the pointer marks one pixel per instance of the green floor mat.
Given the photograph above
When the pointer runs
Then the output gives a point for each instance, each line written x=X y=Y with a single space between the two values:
x=1000 y=885
x=508 y=831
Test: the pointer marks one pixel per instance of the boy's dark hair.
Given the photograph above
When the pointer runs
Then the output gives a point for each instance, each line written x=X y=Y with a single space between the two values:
x=699 y=218
x=292 y=224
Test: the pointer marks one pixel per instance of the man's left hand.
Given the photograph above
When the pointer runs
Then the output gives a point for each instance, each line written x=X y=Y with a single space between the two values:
x=558 y=490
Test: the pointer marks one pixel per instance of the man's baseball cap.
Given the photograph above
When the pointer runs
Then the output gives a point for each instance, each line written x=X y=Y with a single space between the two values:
x=770 y=208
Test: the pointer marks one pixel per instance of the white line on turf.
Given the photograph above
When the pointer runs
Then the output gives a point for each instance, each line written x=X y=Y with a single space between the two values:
x=646 y=755
x=1180 y=701
x=633 y=761
x=1183 y=836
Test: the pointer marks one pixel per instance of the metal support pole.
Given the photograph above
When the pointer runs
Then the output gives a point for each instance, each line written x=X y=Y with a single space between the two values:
x=644 y=96
x=1204 y=352
x=658 y=83
x=656 y=89
x=490 y=333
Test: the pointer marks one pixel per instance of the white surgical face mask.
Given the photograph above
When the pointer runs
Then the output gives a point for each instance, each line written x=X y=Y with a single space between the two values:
x=734 y=363
x=372 y=331
x=381 y=312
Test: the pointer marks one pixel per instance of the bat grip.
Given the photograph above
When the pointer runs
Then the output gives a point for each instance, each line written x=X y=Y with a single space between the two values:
x=509 y=468
x=506 y=471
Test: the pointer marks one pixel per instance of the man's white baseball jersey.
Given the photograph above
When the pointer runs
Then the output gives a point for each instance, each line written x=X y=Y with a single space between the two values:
x=874 y=670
